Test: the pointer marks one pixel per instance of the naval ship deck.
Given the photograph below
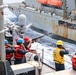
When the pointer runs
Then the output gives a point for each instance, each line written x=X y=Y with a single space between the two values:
x=65 y=72
x=46 y=69
x=25 y=67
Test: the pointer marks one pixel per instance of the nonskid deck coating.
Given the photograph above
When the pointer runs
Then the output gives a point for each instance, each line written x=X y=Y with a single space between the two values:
x=64 y=72
x=46 y=69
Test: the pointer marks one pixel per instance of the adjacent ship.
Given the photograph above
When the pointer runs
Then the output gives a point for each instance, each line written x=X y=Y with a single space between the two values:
x=56 y=16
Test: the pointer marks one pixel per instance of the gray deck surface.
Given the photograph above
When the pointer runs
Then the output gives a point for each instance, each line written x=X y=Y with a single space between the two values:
x=46 y=69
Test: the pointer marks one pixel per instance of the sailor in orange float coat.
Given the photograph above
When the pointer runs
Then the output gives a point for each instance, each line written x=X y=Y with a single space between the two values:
x=9 y=51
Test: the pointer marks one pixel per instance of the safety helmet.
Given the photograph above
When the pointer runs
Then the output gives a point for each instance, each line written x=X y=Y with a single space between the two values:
x=6 y=41
x=59 y=42
x=20 y=40
x=26 y=38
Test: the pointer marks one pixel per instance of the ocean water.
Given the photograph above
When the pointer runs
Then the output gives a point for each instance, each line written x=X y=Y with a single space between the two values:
x=9 y=16
x=43 y=43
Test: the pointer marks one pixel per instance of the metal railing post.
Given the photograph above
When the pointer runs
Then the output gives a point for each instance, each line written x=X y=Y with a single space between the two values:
x=42 y=55
x=2 y=48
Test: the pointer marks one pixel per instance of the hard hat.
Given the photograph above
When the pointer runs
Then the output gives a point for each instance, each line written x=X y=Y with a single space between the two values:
x=20 y=40
x=6 y=42
x=26 y=38
x=59 y=42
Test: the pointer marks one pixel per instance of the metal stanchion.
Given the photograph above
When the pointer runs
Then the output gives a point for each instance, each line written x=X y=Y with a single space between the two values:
x=5 y=68
x=39 y=67
x=42 y=56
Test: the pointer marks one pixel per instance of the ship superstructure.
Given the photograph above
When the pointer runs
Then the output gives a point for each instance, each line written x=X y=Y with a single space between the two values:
x=58 y=18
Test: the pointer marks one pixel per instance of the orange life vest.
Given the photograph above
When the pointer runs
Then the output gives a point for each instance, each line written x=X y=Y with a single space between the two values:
x=16 y=54
x=8 y=56
x=57 y=3
x=42 y=1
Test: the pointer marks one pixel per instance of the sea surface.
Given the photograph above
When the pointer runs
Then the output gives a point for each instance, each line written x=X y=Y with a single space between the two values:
x=46 y=43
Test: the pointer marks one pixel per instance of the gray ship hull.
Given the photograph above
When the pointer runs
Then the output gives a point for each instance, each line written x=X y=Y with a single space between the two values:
x=46 y=21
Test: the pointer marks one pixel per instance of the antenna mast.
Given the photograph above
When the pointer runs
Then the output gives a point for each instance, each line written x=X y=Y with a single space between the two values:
x=65 y=9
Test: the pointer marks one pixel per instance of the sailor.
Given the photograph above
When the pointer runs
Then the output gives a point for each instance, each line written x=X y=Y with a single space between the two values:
x=27 y=43
x=58 y=55
x=9 y=51
x=32 y=55
x=19 y=51
x=22 y=44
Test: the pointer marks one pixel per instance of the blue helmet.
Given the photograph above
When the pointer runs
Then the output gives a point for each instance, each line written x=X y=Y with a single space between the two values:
x=6 y=42
x=20 y=40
